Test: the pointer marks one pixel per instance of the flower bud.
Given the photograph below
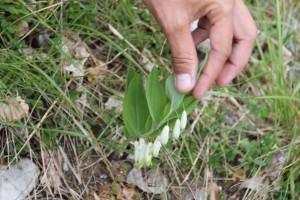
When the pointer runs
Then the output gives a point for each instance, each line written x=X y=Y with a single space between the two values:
x=141 y=160
x=156 y=147
x=165 y=135
x=148 y=154
x=136 y=151
x=142 y=142
x=183 y=120
x=176 y=129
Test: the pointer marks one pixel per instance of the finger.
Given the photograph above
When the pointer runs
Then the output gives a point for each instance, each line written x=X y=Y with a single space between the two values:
x=245 y=34
x=184 y=54
x=236 y=63
x=204 y=23
x=221 y=35
x=201 y=33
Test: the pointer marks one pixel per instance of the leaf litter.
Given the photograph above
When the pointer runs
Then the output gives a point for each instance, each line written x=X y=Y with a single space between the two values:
x=155 y=182
x=79 y=62
x=13 y=109
x=268 y=177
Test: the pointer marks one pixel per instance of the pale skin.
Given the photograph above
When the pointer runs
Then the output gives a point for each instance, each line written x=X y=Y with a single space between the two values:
x=229 y=26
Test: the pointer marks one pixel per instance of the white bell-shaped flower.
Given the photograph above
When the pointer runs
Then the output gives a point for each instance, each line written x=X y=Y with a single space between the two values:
x=164 y=137
x=141 y=160
x=136 y=151
x=148 y=154
x=183 y=120
x=176 y=129
x=142 y=142
x=156 y=147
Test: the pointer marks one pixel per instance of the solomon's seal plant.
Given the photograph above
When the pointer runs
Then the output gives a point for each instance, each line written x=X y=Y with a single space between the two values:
x=150 y=109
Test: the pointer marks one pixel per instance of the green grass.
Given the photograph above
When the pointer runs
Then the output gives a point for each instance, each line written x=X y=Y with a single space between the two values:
x=237 y=130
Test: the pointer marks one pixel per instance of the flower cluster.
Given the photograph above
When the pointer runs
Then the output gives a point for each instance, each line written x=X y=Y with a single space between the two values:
x=143 y=151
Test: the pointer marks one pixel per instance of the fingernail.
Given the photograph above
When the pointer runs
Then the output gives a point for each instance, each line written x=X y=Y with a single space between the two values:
x=183 y=82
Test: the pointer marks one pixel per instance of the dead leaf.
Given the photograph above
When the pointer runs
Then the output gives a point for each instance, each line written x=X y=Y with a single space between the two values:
x=128 y=193
x=22 y=28
x=237 y=176
x=53 y=170
x=76 y=68
x=31 y=53
x=214 y=191
x=256 y=183
x=73 y=46
x=94 y=195
x=28 y=53
x=77 y=59
x=115 y=102
x=19 y=180
x=269 y=176
x=155 y=183
x=82 y=101
x=99 y=69
x=196 y=195
x=69 y=64
x=105 y=191
x=81 y=52
x=148 y=60
x=275 y=166
x=13 y=109
x=74 y=55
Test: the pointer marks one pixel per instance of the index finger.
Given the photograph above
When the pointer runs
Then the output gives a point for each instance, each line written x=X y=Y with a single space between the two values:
x=221 y=36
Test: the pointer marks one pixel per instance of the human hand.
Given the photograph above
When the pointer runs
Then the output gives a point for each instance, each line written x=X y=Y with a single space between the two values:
x=228 y=24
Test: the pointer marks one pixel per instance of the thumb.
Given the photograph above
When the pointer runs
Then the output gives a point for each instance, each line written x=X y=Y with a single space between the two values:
x=185 y=58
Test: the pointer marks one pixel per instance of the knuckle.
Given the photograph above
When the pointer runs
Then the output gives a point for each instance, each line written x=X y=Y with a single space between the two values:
x=223 y=54
x=225 y=7
x=253 y=34
x=176 y=24
x=208 y=76
x=220 y=83
x=183 y=63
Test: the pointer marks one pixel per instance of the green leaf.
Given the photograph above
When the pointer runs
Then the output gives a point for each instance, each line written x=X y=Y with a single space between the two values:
x=130 y=75
x=175 y=97
x=156 y=97
x=150 y=124
x=189 y=104
x=135 y=109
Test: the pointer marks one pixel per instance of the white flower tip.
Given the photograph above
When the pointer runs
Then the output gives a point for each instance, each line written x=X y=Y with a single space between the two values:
x=141 y=159
x=183 y=120
x=165 y=135
x=142 y=142
x=156 y=148
x=136 y=151
x=176 y=129
x=148 y=154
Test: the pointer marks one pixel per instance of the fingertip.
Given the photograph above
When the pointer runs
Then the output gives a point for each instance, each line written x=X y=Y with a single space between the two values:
x=184 y=82
x=228 y=73
x=198 y=93
x=223 y=83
